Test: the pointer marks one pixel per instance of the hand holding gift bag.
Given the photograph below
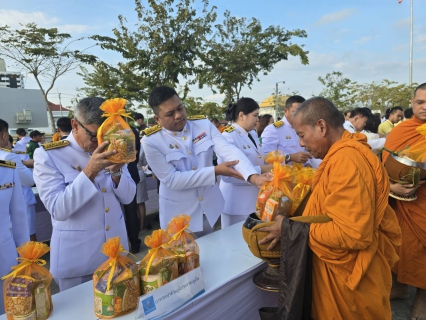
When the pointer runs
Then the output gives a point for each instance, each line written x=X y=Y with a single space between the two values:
x=27 y=288
x=183 y=244
x=159 y=266
x=117 y=131
x=115 y=282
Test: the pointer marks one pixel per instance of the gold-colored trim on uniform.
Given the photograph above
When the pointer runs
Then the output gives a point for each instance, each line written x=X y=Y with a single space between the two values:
x=7 y=164
x=229 y=129
x=55 y=144
x=278 y=124
x=7 y=150
x=152 y=130
x=198 y=117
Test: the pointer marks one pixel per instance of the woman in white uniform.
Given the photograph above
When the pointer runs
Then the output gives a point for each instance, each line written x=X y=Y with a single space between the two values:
x=240 y=196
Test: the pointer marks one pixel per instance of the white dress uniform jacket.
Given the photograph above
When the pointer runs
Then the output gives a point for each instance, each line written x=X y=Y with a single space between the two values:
x=84 y=213
x=12 y=213
x=375 y=144
x=183 y=163
x=280 y=135
x=240 y=196
x=21 y=145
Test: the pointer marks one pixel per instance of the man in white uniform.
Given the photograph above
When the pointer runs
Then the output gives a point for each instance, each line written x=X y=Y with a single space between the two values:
x=21 y=145
x=180 y=154
x=82 y=197
x=280 y=135
x=12 y=214
x=357 y=122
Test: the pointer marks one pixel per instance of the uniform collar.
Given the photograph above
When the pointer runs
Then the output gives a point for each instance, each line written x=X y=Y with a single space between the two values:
x=239 y=128
x=286 y=123
x=74 y=143
x=179 y=134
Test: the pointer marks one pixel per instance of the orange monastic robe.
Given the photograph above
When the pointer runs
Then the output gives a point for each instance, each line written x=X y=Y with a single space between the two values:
x=354 y=253
x=411 y=267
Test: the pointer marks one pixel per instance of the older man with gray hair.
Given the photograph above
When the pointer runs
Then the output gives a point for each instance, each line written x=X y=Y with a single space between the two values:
x=82 y=191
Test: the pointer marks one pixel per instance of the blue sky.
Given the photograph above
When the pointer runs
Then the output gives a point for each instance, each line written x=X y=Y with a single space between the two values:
x=366 y=40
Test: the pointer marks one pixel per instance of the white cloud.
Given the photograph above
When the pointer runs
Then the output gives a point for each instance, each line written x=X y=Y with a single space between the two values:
x=362 y=40
x=421 y=38
x=14 y=18
x=335 y=17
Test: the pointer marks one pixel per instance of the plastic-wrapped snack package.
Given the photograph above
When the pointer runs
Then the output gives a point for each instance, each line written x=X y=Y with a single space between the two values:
x=273 y=193
x=117 y=131
x=27 y=288
x=116 y=284
x=274 y=156
x=159 y=266
x=183 y=244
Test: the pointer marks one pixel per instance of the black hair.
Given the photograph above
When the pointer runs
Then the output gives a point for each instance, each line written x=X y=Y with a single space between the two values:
x=244 y=105
x=21 y=132
x=263 y=123
x=293 y=99
x=318 y=108
x=10 y=139
x=4 y=126
x=372 y=124
x=363 y=112
x=215 y=120
x=160 y=95
x=346 y=112
x=408 y=113
x=64 y=124
x=420 y=87
x=138 y=116
x=392 y=111
x=35 y=133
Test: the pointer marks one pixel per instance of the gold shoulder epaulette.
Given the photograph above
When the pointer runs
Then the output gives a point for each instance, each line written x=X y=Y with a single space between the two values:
x=8 y=164
x=229 y=129
x=6 y=150
x=152 y=130
x=278 y=124
x=55 y=144
x=199 y=117
x=20 y=152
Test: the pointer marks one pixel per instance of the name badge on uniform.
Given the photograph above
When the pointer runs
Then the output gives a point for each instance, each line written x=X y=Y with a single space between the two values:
x=7 y=185
x=288 y=137
x=201 y=136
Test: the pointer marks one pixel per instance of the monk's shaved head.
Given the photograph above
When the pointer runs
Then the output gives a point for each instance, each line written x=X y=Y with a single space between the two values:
x=318 y=108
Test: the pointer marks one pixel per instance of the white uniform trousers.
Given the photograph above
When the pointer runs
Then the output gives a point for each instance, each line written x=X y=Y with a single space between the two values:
x=230 y=219
x=67 y=283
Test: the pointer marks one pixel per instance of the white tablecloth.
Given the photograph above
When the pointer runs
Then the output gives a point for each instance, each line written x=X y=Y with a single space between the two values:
x=228 y=268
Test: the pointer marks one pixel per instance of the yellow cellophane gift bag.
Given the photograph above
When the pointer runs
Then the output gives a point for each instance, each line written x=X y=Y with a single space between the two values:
x=27 y=288
x=159 y=266
x=303 y=179
x=274 y=156
x=116 y=284
x=183 y=244
x=416 y=152
x=271 y=192
x=117 y=131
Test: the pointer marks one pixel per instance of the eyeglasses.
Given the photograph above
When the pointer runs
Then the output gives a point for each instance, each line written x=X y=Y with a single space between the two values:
x=93 y=137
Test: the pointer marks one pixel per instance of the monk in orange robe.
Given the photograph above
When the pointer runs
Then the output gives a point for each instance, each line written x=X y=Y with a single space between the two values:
x=353 y=254
x=411 y=267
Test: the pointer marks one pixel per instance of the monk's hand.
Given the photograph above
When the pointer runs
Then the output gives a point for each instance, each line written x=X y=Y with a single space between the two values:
x=300 y=157
x=403 y=189
x=226 y=169
x=259 y=179
x=274 y=235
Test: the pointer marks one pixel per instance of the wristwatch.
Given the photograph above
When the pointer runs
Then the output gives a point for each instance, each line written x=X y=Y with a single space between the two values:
x=117 y=174
x=288 y=158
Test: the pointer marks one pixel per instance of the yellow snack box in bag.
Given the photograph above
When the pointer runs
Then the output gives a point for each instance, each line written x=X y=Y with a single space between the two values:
x=26 y=290
x=117 y=131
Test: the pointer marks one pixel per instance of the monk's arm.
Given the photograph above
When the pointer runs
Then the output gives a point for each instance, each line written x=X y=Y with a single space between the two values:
x=350 y=203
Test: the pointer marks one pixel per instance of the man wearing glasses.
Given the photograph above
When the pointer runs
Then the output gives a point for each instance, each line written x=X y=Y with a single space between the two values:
x=82 y=190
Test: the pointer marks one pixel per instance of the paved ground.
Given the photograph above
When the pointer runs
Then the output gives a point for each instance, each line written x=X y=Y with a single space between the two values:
x=401 y=309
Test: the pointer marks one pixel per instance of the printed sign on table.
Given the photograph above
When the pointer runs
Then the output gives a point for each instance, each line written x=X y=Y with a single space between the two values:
x=171 y=296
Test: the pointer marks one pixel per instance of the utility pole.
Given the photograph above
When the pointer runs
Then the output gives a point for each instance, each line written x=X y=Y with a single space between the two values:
x=411 y=42
x=60 y=103
x=276 y=99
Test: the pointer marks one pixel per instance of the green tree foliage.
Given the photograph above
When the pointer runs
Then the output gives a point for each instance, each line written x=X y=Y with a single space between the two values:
x=240 y=50
x=213 y=110
x=337 y=89
x=44 y=53
x=164 y=47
